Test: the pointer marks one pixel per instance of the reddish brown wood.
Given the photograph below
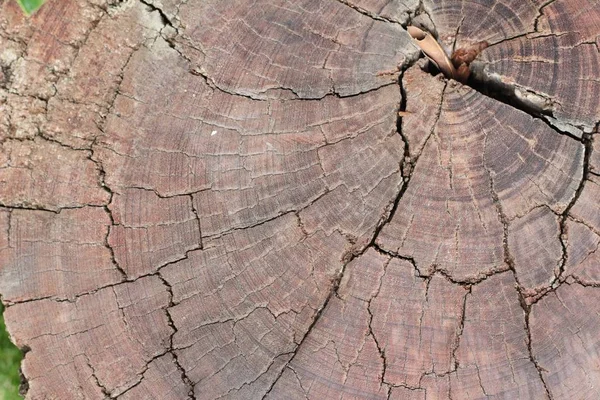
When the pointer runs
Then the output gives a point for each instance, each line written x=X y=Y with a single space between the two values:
x=276 y=199
x=478 y=169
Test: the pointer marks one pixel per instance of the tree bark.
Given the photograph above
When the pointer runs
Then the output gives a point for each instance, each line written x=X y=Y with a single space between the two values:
x=279 y=200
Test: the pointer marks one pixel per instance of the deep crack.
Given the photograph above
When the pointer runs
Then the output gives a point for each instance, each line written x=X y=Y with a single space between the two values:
x=509 y=260
x=539 y=369
x=372 y=243
x=184 y=377
x=560 y=278
x=538 y=106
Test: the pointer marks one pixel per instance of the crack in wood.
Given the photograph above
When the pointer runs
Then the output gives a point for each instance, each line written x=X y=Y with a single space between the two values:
x=102 y=387
x=461 y=328
x=536 y=105
x=367 y=13
x=184 y=377
x=334 y=289
x=560 y=278
x=509 y=260
x=380 y=349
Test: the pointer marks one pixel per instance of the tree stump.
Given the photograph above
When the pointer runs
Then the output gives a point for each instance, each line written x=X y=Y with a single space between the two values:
x=279 y=200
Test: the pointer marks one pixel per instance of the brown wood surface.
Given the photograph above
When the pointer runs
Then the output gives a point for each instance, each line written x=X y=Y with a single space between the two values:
x=276 y=199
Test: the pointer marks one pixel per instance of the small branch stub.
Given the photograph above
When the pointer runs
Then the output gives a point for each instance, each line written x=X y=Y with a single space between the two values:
x=455 y=67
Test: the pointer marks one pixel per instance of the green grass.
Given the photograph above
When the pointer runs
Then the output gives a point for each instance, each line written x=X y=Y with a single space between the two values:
x=10 y=357
x=30 y=6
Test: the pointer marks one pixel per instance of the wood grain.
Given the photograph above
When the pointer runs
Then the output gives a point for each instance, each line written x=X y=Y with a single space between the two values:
x=279 y=200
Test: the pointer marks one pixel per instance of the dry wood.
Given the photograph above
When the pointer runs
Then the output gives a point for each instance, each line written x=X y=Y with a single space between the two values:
x=277 y=200
x=432 y=49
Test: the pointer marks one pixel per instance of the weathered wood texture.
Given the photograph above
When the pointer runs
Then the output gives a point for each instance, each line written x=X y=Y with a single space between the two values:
x=217 y=199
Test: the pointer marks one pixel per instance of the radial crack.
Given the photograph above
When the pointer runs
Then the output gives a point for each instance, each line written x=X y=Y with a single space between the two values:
x=184 y=377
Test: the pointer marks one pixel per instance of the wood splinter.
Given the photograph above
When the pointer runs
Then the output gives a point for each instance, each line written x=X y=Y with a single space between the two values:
x=455 y=67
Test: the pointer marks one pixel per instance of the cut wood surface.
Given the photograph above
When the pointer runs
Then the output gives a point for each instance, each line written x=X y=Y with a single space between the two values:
x=271 y=199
